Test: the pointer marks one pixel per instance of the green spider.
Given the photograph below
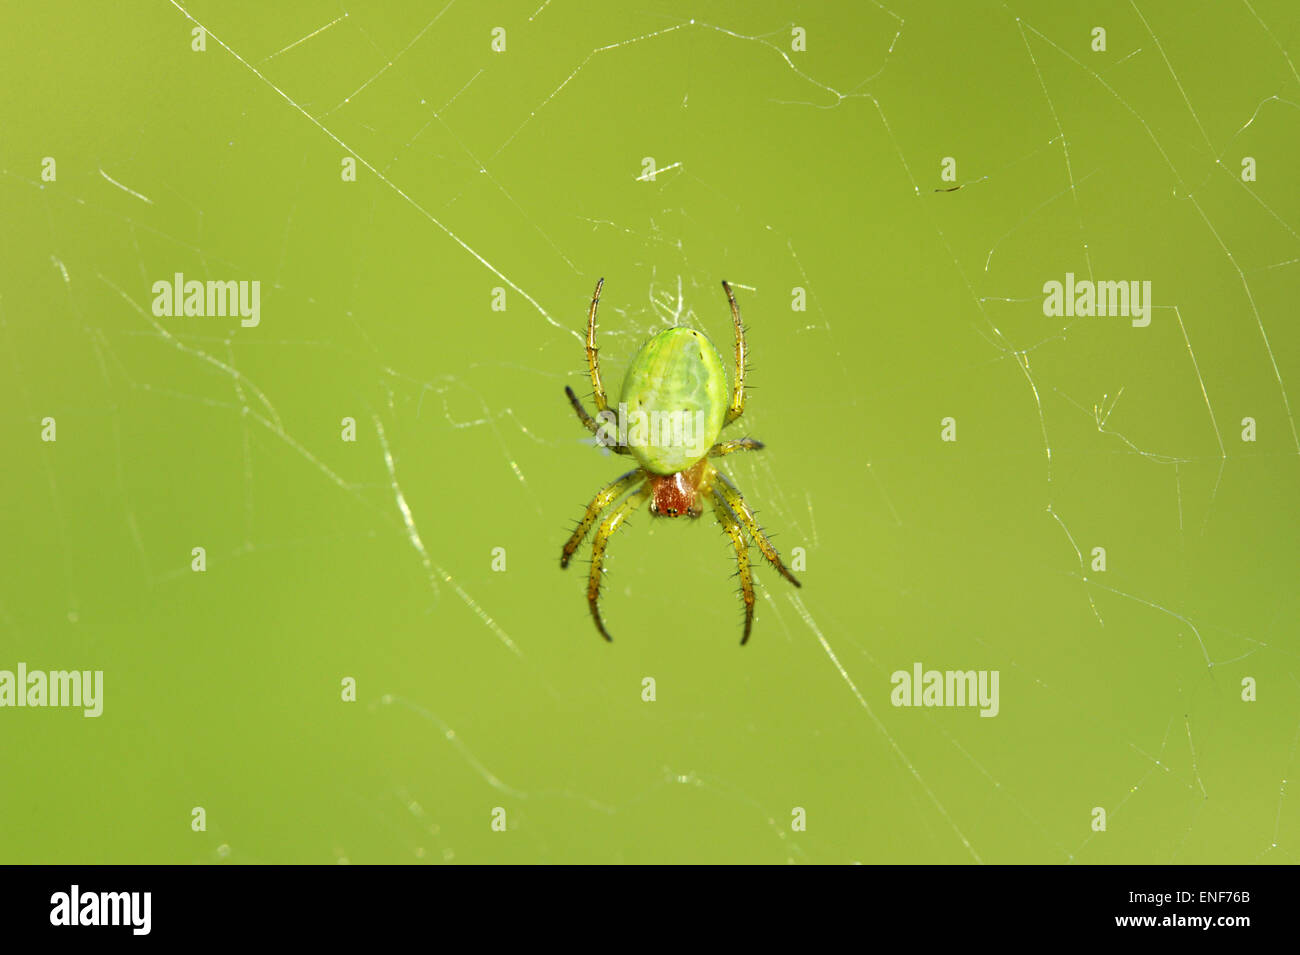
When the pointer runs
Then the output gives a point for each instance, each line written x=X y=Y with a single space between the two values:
x=676 y=371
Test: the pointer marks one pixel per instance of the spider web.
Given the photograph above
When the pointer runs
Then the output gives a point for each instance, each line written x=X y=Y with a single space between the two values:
x=518 y=176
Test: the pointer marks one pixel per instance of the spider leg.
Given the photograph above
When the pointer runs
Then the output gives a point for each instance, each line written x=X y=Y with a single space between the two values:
x=731 y=496
x=732 y=526
x=740 y=444
x=607 y=529
x=593 y=361
x=604 y=497
x=594 y=426
x=737 y=407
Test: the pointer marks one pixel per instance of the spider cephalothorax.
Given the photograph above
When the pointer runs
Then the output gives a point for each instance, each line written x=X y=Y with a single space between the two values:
x=675 y=495
x=676 y=395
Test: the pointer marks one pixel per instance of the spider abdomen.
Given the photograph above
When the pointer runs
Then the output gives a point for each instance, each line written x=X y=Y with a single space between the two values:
x=675 y=394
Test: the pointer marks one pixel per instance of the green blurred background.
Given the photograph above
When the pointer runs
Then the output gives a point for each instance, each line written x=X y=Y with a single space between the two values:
x=523 y=169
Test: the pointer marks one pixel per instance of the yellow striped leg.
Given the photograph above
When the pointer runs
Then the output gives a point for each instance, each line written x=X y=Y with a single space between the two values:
x=594 y=426
x=593 y=362
x=732 y=526
x=607 y=529
x=731 y=495
x=740 y=444
x=738 y=388
x=604 y=497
